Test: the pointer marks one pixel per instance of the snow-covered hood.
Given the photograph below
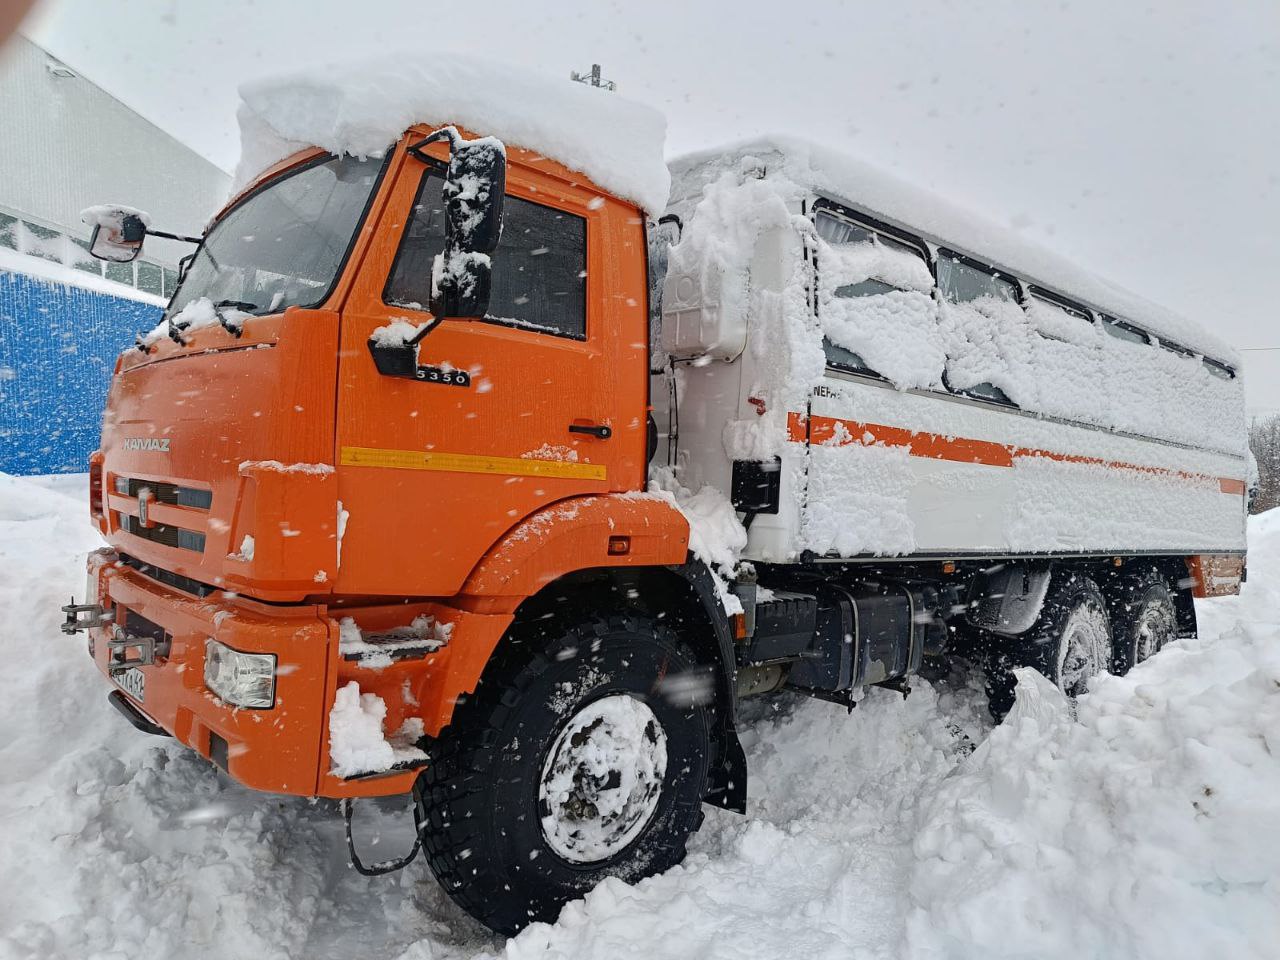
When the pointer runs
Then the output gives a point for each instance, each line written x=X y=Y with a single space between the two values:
x=362 y=107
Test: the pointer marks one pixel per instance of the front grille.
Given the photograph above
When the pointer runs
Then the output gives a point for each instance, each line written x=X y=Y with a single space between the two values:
x=165 y=492
x=163 y=533
x=175 y=580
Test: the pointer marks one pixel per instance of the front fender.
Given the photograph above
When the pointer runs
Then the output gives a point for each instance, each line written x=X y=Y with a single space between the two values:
x=613 y=530
x=617 y=530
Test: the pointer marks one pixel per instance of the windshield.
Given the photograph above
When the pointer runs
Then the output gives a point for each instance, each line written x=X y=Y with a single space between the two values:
x=283 y=246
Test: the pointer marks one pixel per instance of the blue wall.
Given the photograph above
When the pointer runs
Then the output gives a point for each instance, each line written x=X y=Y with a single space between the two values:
x=58 y=346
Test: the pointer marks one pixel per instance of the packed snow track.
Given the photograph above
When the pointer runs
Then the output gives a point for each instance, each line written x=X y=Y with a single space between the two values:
x=1146 y=824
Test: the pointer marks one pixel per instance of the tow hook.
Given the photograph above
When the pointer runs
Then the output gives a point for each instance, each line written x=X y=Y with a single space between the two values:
x=85 y=616
x=122 y=641
x=382 y=866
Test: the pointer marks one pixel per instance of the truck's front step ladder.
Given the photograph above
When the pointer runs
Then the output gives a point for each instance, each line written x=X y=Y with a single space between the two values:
x=382 y=866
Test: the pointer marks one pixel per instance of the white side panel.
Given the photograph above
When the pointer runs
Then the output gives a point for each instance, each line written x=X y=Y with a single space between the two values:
x=953 y=503
x=932 y=474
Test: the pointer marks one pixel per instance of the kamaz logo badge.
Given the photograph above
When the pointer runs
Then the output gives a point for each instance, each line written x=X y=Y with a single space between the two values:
x=146 y=443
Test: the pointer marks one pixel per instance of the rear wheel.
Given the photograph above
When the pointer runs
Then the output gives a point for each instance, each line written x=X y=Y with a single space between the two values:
x=1143 y=617
x=564 y=769
x=1070 y=642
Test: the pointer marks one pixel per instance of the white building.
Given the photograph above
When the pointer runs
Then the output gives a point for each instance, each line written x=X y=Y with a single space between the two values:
x=69 y=144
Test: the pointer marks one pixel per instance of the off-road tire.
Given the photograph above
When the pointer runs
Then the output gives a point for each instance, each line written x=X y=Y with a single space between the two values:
x=1073 y=602
x=478 y=799
x=1143 y=617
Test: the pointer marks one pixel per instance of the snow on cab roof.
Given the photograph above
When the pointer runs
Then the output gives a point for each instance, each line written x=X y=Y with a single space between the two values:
x=362 y=107
x=838 y=176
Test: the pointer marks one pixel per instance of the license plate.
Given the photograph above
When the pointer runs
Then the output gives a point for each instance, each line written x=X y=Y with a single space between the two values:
x=133 y=682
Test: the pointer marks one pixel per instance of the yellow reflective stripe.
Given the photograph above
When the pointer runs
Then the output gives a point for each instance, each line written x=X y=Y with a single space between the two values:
x=469 y=463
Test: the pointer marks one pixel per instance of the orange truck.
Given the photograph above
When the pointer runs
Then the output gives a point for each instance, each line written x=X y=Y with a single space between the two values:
x=377 y=505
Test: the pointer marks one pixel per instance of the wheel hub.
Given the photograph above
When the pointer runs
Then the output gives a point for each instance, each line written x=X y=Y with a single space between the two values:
x=602 y=779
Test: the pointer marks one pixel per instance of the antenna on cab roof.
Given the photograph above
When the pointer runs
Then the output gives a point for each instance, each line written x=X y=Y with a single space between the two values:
x=593 y=78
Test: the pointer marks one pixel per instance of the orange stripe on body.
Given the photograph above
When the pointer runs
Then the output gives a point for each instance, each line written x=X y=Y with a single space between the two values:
x=935 y=446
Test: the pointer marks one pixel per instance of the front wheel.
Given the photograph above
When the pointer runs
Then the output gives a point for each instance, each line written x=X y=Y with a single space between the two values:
x=577 y=762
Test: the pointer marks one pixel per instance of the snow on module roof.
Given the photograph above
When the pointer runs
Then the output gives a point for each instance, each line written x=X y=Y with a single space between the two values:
x=361 y=108
x=840 y=177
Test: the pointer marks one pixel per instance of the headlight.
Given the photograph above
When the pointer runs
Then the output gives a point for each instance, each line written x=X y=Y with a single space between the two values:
x=241 y=679
x=122 y=485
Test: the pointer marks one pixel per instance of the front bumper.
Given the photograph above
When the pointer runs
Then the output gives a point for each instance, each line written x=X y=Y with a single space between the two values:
x=283 y=748
x=276 y=749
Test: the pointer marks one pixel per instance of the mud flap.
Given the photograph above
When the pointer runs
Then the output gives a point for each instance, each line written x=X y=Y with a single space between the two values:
x=728 y=782
x=728 y=778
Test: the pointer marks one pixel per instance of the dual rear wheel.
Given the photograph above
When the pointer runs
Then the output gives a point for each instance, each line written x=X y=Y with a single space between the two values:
x=1082 y=632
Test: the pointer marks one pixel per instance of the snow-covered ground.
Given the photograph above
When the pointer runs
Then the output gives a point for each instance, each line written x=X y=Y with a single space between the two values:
x=1146 y=826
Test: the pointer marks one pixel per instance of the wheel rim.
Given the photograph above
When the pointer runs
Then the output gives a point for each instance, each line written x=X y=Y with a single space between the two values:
x=1086 y=648
x=1155 y=628
x=602 y=779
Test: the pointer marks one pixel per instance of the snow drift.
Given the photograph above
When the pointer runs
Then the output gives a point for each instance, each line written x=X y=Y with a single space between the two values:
x=1144 y=826
x=1120 y=831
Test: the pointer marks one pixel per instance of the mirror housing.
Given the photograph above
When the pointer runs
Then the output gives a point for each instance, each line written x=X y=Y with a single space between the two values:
x=394 y=349
x=118 y=232
x=474 y=190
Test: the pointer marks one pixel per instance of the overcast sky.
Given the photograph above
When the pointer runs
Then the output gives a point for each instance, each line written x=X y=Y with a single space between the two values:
x=1140 y=139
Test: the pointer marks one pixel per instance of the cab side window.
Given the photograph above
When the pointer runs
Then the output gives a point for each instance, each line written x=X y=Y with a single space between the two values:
x=539 y=268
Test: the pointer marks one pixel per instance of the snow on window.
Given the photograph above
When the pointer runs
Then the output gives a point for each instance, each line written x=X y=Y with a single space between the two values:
x=874 y=305
x=1124 y=331
x=1057 y=322
x=962 y=282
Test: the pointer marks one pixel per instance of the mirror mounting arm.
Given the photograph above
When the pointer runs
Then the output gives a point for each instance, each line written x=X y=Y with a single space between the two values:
x=444 y=133
x=173 y=236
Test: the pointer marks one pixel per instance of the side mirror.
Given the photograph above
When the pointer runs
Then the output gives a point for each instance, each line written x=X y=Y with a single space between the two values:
x=118 y=232
x=474 y=189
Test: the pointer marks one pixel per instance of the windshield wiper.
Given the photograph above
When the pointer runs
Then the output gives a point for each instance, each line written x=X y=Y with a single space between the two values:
x=233 y=328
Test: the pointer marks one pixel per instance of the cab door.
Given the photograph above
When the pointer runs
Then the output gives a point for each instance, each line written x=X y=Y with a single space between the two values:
x=541 y=400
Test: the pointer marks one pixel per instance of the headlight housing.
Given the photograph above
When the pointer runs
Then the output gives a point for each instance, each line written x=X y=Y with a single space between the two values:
x=241 y=679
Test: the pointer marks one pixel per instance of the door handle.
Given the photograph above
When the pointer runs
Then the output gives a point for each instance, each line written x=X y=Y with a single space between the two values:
x=600 y=432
